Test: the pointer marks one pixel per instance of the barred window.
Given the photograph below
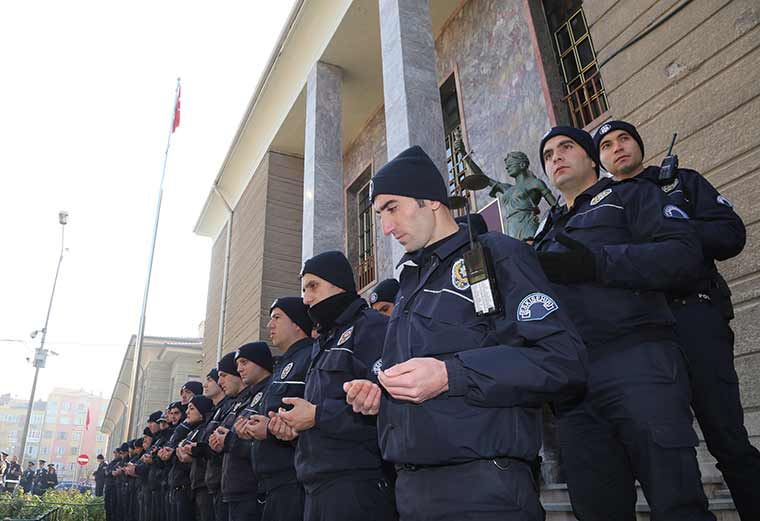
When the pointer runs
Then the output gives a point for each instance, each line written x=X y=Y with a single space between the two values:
x=452 y=127
x=366 y=238
x=584 y=91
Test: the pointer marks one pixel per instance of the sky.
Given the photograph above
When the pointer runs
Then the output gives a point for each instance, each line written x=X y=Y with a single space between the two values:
x=85 y=111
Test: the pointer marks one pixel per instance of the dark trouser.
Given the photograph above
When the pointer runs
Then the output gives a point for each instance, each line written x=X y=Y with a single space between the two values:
x=156 y=505
x=182 y=504
x=349 y=498
x=634 y=423
x=246 y=510
x=708 y=343
x=483 y=490
x=220 y=507
x=204 y=507
x=284 y=503
x=98 y=488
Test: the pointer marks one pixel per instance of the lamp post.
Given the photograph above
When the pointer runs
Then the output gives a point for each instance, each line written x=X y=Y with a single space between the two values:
x=40 y=354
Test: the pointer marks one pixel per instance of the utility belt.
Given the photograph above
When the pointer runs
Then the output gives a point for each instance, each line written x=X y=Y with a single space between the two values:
x=715 y=292
x=501 y=461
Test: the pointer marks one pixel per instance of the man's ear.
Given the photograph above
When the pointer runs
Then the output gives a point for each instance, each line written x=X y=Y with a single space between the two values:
x=434 y=205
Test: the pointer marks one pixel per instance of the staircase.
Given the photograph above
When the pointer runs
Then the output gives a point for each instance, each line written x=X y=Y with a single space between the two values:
x=557 y=502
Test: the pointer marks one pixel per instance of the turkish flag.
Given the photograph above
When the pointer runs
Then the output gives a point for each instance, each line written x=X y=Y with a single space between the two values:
x=176 y=110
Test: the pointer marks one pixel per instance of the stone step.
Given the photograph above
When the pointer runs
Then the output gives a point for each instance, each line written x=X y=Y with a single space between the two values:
x=723 y=509
x=556 y=502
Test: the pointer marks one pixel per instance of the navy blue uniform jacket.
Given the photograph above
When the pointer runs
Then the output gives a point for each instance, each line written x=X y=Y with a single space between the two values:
x=642 y=247
x=341 y=440
x=501 y=368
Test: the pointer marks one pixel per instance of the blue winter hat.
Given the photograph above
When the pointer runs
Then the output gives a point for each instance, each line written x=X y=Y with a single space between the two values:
x=580 y=136
x=256 y=352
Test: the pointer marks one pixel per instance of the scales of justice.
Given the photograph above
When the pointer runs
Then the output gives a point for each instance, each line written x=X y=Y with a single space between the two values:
x=519 y=201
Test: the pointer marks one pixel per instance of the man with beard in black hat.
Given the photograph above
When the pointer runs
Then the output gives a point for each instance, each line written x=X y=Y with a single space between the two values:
x=290 y=332
x=239 y=486
x=337 y=457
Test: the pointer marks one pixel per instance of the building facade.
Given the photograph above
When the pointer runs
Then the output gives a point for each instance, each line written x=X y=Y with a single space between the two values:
x=166 y=364
x=352 y=83
x=61 y=428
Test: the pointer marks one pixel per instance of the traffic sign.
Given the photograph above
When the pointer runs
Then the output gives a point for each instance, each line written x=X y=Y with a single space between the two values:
x=83 y=459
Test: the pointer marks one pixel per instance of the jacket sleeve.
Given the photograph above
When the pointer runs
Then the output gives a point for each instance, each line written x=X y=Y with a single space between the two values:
x=664 y=253
x=539 y=356
x=720 y=230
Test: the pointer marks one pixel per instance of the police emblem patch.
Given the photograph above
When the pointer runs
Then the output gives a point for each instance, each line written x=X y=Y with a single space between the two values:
x=373 y=298
x=257 y=399
x=725 y=202
x=346 y=335
x=604 y=129
x=669 y=188
x=377 y=366
x=459 y=276
x=286 y=371
x=536 y=306
x=601 y=195
x=671 y=211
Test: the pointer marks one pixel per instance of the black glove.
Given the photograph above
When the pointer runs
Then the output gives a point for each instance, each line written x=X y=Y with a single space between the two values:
x=576 y=265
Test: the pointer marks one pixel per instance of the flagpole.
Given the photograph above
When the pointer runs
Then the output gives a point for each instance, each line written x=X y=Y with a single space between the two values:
x=129 y=416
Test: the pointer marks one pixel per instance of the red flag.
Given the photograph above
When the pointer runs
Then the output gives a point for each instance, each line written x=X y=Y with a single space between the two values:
x=176 y=110
x=87 y=421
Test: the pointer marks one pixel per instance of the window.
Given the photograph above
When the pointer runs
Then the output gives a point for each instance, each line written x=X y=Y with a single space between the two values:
x=76 y=436
x=31 y=451
x=13 y=435
x=65 y=406
x=574 y=50
x=34 y=436
x=48 y=435
x=52 y=407
x=62 y=435
x=64 y=420
x=81 y=407
x=44 y=451
x=366 y=228
x=80 y=419
x=37 y=417
x=59 y=451
x=73 y=451
x=452 y=128
x=100 y=437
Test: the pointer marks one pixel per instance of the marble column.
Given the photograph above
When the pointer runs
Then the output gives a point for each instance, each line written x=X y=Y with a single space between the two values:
x=413 y=113
x=323 y=213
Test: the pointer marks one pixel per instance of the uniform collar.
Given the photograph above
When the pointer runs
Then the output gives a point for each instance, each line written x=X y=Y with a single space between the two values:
x=448 y=245
x=348 y=313
x=304 y=343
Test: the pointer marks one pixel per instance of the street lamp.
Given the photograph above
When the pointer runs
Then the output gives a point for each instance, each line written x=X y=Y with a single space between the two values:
x=40 y=354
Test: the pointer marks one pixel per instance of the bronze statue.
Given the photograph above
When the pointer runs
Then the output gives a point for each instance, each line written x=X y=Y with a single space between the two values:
x=518 y=202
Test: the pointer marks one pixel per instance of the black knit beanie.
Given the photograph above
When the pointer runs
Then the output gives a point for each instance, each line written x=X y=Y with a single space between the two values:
x=411 y=174
x=617 y=125
x=385 y=291
x=227 y=364
x=580 y=136
x=296 y=311
x=258 y=353
x=333 y=267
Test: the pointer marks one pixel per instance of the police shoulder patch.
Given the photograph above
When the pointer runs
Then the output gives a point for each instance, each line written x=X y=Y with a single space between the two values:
x=373 y=298
x=670 y=187
x=601 y=195
x=671 y=211
x=725 y=202
x=377 y=366
x=459 y=276
x=346 y=335
x=286 y=371
x=257 y=399
x=536 y=306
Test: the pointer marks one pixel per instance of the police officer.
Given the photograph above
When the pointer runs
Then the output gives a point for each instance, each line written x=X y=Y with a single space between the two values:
x=383 y=297
x=12 y=475
x=290 y=331
x=463 y=393
x=199 y=411
x=702 y=310
x=239 y=486
x=109 y=487
x=190 y=389
x=27 y=479
x=38 y=487
x=214 y=459
x=337 y=458
x=611 y=252
x=100 y=475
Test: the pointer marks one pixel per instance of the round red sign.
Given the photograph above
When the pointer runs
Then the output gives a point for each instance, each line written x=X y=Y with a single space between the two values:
x=83 y=459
